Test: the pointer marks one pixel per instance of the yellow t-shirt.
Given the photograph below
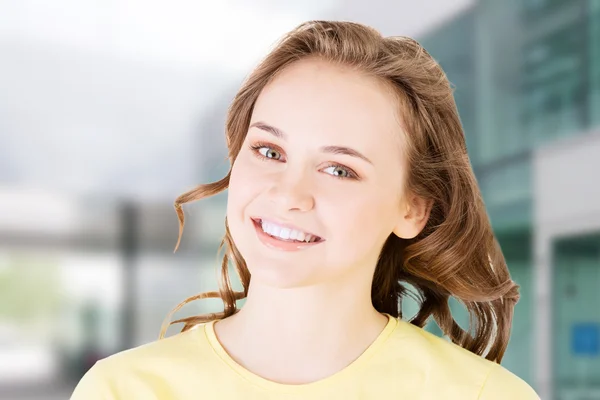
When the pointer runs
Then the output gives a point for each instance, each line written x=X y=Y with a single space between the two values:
x=404 y=362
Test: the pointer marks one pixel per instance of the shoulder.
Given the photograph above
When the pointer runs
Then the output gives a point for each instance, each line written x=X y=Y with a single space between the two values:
x=133 y=370
x=174 y=348
x=447 y=365
x=502 y=384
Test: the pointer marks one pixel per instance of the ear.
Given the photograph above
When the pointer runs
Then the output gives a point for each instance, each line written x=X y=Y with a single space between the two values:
x=414 y=216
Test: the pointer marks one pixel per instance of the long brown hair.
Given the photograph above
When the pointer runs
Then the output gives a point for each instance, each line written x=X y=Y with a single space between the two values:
x=456 y=253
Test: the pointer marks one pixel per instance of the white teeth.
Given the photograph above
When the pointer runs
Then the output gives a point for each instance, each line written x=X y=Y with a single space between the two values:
x=275 y=230
x=285 y=233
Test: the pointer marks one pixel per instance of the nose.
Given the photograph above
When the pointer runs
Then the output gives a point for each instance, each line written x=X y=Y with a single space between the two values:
x=292 y=192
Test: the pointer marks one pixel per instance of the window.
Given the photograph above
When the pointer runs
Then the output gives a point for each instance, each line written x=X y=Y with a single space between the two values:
x=553 y=84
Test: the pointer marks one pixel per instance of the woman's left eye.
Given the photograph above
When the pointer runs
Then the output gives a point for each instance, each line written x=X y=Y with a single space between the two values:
x=339 y=171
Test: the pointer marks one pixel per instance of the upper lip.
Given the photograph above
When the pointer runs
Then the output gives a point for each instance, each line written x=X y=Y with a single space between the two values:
x=285 y=225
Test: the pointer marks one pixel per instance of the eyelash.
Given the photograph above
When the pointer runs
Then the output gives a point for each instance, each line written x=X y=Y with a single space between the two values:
x=259 y=145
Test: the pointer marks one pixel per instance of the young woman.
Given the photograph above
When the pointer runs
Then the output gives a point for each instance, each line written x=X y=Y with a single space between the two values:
x=349 y=178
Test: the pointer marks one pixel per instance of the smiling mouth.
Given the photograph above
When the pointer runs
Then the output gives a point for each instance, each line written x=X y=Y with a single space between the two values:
x=285 y=234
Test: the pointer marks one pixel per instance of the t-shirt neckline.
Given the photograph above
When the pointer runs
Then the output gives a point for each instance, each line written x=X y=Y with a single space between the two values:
x=276 y=386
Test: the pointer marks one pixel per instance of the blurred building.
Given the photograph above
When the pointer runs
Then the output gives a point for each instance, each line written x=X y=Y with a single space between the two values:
x=527 y=77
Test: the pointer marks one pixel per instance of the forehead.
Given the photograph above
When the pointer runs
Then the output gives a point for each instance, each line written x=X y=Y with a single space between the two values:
x=331 y=102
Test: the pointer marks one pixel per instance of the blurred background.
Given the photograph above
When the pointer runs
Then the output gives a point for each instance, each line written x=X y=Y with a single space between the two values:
x=109 y=110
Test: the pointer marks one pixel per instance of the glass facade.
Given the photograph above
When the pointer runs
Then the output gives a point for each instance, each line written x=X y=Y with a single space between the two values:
x=498 y=28
x=576 y=324
x=554 y=83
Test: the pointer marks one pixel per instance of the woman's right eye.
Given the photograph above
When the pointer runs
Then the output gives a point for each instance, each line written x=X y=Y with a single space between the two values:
x=269 y=153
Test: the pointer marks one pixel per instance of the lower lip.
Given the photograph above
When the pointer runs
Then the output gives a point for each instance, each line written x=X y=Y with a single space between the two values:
x=278 y=244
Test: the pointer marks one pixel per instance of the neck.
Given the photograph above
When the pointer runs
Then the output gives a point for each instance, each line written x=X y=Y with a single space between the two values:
x=298 y=312
x=292 y=328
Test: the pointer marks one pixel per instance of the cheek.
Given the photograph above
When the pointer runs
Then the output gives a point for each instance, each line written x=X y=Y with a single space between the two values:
x=238 y=198
x=238 y=191
x=245 y=184
x=364 y=221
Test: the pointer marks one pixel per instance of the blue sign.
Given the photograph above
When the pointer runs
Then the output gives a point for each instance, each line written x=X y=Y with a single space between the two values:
x=585 y=339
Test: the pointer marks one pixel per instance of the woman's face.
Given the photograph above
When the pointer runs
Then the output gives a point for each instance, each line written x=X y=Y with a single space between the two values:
x=317 y=187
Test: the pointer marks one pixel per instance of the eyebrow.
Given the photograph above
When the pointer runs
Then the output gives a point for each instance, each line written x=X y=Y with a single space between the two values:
x=278 y=133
